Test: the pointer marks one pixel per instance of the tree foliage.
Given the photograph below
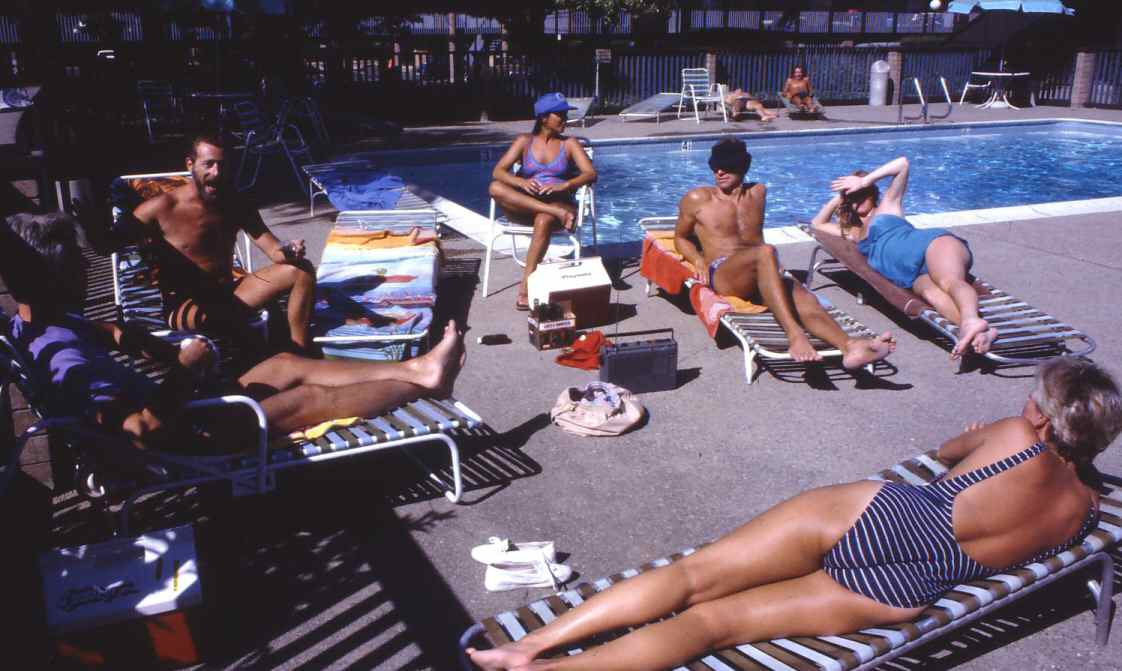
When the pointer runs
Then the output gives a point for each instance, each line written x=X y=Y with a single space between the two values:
x=611 y=9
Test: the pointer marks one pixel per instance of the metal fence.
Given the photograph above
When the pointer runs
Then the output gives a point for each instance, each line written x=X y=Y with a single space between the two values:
x=1106 y=86
x=839 y=74
x=9 y=30
x=1055 y=79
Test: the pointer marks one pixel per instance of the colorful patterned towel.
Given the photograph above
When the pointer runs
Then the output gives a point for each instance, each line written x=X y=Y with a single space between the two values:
x=374 y=283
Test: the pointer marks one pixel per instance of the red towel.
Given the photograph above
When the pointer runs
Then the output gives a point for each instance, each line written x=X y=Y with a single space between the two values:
x=585 y=352
x=666 y=270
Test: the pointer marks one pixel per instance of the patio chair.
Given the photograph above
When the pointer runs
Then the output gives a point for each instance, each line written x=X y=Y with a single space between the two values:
x=969 y=85
x=817 y=111
x=700 y=90
x=756 y=329
x=269 y=138
x=376 y=284
x=1025 y=335
x=247 y=472
x=163 y=115
x=870 y=648
x=501 y=226
x=653 y=106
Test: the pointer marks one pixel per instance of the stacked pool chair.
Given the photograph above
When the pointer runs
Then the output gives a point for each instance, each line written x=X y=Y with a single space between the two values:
x=376 y=282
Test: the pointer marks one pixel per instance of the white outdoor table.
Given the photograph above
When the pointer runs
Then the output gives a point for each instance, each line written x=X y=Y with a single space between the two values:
x=1002 y=82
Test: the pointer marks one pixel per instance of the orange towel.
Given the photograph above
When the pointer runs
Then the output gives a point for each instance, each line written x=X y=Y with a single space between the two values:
x=662 y=265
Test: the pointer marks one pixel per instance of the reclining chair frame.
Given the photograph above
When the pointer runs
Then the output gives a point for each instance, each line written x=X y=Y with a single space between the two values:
x=869 y=648
x=420 y=421
x=1029 y=337
x=760 y=335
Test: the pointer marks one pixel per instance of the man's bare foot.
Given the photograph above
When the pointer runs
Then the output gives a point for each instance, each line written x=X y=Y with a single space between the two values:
x=510 y=656
x=437 y=370
x=972 y=333
x=862 y=351
x=802 y=350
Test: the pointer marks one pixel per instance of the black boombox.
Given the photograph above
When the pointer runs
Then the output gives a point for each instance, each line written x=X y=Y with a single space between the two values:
x=641 y=365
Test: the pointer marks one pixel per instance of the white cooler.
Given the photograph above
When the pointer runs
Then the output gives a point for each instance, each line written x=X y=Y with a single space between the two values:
x=584 y=283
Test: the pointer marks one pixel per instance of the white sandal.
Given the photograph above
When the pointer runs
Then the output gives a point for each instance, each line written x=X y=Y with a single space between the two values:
x=502 y=551
x=502 y=577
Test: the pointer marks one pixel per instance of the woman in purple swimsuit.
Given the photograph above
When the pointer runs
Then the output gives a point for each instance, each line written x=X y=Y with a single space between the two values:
x=932 y=262
x=541 y=193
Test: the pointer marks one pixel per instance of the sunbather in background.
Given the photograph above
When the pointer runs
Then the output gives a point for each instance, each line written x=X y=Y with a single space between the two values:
x=192 y=231
x=934 y=262
x=798 y=89
x=728 y=221
x=739 y=101
x=72 y=354
x=541 y=194
x=843 y=558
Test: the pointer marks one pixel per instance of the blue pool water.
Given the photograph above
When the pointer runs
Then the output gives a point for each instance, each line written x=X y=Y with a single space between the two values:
x=960 y=168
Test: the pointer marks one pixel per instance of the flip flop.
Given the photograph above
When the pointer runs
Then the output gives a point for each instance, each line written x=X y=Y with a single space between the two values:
x=522 y=303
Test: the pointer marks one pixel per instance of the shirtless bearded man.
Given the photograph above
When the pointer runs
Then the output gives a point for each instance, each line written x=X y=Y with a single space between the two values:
x=728 y=221
x=195 y=228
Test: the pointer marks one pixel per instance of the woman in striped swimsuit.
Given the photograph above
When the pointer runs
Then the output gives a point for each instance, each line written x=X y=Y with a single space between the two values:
x=847 y=557
x=541 y=193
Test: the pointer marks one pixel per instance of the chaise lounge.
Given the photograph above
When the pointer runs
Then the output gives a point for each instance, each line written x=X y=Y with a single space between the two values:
x=1025 y=335
x=869 y=648
x=755 y=328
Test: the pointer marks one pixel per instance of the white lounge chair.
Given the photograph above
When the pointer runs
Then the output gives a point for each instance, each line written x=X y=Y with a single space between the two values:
x=580 y=113
x=654 y=106
x=699 y=89
x=873 y=647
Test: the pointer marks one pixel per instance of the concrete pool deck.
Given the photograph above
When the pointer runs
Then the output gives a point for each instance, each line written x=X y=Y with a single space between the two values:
x=359 y=566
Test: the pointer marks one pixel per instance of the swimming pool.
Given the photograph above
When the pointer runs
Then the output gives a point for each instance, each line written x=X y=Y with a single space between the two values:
x=961 y=167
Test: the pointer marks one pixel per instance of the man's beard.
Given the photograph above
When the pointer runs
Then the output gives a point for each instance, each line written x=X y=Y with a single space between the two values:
x=209 y=195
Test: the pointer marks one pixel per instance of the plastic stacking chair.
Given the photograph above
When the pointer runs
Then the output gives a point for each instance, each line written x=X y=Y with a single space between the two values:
x=501 y=226
x=701 y=91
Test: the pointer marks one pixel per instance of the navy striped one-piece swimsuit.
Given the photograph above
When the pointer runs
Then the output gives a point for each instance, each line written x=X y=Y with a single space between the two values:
x=902 y=550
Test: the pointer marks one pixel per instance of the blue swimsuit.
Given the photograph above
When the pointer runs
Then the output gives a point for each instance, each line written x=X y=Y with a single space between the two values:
x=902 y=551
x=557 y=170
x=898 y=250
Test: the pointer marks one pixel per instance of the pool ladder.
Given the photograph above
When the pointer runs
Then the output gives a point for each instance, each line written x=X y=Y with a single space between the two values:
x=924 y=111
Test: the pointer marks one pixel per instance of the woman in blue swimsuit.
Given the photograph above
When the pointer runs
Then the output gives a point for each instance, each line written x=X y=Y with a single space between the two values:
x=933 y=262
x=541 y=193
x=864 y=554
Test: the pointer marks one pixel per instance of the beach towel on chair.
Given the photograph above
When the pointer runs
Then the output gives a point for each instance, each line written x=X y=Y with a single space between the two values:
x=664 y=266
x=373 y=283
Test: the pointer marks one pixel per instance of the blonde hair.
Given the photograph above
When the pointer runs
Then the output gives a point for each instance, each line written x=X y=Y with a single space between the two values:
x=1083 y=404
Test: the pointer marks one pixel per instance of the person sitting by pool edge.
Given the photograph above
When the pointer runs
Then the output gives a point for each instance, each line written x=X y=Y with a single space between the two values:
x=798 y=89
x=728 y=221
x=933 y=262
x=541 y=194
